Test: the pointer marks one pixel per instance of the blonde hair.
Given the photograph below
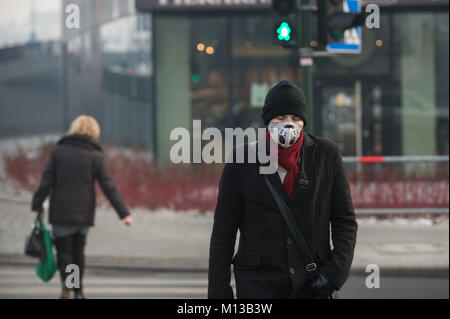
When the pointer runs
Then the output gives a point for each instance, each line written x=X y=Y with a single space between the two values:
x=85 y=125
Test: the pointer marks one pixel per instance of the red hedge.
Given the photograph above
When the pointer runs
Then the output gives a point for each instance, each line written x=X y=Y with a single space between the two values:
x=185 y=187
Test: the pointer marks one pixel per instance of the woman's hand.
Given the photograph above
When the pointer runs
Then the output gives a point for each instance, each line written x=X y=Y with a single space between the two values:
x=41 y=213
x=128 y=220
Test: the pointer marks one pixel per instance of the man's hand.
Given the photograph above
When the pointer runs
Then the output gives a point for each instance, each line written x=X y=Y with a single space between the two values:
x=128 y=220
x=321 y=287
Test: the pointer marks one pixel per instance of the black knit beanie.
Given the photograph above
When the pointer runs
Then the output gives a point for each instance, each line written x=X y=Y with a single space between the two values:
x=284 y=98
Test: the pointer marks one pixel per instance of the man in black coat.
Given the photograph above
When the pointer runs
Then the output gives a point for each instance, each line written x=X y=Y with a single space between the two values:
x=268 y=264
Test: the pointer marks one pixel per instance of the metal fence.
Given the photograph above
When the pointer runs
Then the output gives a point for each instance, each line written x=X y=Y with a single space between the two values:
x=395 y=159
x=359 y=160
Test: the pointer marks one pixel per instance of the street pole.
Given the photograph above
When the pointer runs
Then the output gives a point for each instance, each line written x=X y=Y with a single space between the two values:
x=64 y=85
x=359 y=124
x=307 y=70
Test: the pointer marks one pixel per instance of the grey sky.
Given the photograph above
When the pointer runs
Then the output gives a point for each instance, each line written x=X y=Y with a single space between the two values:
x=15 y=20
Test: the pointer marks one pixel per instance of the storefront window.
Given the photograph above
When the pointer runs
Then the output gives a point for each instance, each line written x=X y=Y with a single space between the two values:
x=423 y=38
x=403 y=90
x=216 y=69
x=391 y=99
x=258 y=62
x=441 y=57
x=208 y=71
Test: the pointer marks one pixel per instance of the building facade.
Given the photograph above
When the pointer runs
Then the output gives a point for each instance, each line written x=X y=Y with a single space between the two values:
x=391 y=99
x=145 y=67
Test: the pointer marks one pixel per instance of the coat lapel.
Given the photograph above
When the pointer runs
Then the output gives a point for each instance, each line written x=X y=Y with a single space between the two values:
x=309 y=150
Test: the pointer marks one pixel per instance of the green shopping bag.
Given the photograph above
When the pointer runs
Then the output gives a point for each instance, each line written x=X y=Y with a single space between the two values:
x=46 y=268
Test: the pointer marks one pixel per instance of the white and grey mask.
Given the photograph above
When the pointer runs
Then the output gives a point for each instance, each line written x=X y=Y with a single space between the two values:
x=285 y=133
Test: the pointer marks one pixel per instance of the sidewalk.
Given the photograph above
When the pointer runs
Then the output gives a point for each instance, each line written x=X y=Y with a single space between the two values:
x=167 y=240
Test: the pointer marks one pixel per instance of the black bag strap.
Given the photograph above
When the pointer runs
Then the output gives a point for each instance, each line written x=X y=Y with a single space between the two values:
x=311 y=267
x=36 y=220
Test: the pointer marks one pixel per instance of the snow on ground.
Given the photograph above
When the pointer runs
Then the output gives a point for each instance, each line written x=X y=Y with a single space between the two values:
x=401 y=221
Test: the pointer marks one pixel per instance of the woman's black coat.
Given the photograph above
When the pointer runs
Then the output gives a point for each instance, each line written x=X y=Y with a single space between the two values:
x=74 y=165
x=267 y=263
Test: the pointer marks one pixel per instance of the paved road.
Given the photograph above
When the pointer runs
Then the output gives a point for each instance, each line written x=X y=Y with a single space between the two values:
x=181 y=239
x=397 y=287
x=21 y=282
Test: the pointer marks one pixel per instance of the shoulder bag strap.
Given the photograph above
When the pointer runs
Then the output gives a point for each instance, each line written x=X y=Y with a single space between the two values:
x=311 y=267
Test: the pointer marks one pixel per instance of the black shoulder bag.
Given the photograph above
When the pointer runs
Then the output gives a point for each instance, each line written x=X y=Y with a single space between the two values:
x=35 y=243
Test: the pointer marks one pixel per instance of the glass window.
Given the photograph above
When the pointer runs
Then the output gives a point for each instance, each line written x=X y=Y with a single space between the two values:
x=232 y=62
x=423 y=73
x=441 y=57
x=127 y=72
x=258 y=62
x=403 y=71
x=208 y=71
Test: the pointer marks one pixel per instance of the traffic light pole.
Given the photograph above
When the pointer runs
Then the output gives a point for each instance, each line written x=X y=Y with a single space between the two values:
x=305 y=51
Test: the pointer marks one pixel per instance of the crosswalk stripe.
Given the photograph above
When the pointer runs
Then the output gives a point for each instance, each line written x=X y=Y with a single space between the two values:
x=23 y=283
x=112 y=281
x=53 y=295
x=107 y=290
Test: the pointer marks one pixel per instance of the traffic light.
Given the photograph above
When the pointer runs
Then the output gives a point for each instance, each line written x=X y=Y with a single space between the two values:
x=284 y=30
x=284 y=7
x=333 y=21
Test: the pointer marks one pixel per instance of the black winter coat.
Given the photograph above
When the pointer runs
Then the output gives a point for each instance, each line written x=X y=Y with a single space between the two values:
x=267 y=263
x=74 y=165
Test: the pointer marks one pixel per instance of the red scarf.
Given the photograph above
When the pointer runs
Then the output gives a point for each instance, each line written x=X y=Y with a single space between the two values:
x=288 y=159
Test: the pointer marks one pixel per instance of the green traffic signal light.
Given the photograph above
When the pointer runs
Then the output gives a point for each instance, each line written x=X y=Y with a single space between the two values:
x=195 y=77
x=284 y=32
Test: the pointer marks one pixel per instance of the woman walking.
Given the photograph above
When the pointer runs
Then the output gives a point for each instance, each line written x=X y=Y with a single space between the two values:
x=69 y=177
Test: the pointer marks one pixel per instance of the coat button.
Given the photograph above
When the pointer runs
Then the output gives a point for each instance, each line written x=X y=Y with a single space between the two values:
x=289 y=241
x=292 y=270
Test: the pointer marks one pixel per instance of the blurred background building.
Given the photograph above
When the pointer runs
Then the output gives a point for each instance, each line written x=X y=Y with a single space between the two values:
x=145 y=67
